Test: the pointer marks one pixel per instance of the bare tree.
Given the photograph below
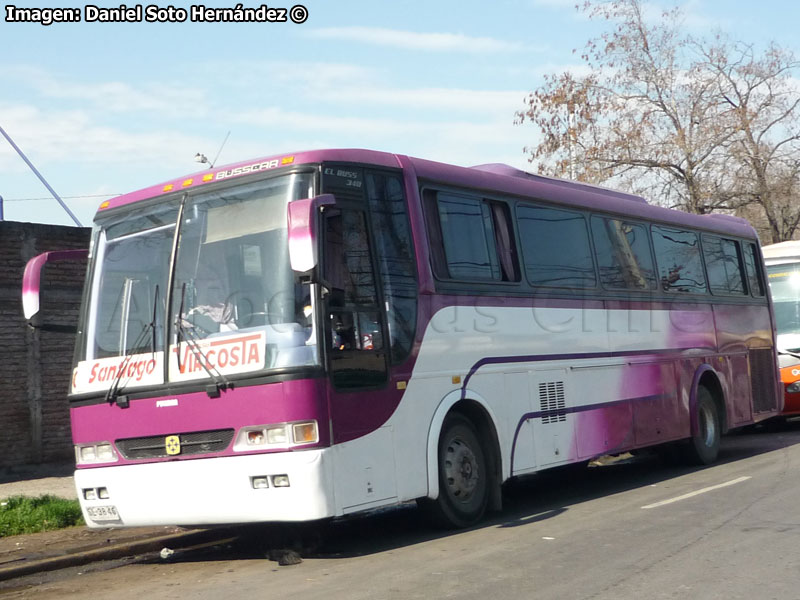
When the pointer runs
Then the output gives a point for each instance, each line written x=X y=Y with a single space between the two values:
x=566 y=111
x=765 y=103
x=679 y=120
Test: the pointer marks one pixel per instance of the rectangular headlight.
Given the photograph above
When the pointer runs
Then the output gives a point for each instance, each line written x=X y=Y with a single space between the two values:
x=277 y=435
x=88 y=454
x=102 y=452
x=305 y=433
x=255 y=437
x=279 y=481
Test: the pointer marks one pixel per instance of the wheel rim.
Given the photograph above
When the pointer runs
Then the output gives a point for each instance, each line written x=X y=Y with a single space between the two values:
x=708 y=426
x=461 y=470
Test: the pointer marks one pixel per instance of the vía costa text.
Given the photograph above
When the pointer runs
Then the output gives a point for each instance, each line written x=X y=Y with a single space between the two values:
x=153 y=13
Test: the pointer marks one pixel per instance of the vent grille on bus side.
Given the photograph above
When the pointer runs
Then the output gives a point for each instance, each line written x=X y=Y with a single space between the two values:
x=552 y=401
x=196 y=442
x=763 y=373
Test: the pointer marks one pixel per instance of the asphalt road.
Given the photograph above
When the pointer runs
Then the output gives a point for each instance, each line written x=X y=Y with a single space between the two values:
x=638 y=528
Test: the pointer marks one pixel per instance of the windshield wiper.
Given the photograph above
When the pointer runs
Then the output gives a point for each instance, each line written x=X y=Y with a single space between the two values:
x=112 y=395
x=220 y=381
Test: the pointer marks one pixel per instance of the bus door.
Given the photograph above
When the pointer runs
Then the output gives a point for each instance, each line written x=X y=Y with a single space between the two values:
x=354 y=323
x=357 y=363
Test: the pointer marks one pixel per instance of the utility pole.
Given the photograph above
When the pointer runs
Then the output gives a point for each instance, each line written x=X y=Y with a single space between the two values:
x=41 y=178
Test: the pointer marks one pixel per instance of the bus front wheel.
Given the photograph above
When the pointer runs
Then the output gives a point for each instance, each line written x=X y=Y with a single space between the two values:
x=463 y=475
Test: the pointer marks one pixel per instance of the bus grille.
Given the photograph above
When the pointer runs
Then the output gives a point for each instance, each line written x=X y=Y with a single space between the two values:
x=763 y=374
x=552 y=401
x=196 y=442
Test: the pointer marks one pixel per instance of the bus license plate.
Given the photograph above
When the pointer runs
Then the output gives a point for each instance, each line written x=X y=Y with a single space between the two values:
x=102 y=513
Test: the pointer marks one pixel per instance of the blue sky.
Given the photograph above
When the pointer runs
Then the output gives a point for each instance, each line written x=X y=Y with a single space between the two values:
x=105 y=108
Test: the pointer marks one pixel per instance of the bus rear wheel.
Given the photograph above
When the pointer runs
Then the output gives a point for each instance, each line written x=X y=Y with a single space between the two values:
x=463 y=475
x=703 y=446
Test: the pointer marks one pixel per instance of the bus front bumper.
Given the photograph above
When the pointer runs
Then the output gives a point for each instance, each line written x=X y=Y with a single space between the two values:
x=286 y=486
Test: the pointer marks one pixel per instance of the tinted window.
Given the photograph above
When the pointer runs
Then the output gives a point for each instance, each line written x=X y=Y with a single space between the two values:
x=680 y=267
x=724 y=265
x=348 y=267
x=504 y=239
x=623 y=254
x=752 y=264
x=555 y=247
x=353 y=322
x=395 y=249
x=469 y=245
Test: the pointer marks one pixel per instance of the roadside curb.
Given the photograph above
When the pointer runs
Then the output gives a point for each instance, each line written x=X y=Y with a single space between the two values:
x=111 y=552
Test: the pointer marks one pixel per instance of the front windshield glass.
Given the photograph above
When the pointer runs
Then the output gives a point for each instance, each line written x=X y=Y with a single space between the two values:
x=235 y=305
x=784 y=283
x=125 y=321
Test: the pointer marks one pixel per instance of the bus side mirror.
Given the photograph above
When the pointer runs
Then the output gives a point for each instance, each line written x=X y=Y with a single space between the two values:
x=31 y=285
x=303 y=223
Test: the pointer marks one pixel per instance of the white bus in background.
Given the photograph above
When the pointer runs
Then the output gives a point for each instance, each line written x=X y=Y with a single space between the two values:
x=783 y=273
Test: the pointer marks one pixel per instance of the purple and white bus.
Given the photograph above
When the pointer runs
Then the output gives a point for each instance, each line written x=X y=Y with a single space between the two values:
x=311 y=335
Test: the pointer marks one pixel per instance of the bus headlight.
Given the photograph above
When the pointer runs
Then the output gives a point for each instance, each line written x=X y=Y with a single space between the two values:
x=305 y=433
x=277 y=435
x=90 y=454
x=793 y=388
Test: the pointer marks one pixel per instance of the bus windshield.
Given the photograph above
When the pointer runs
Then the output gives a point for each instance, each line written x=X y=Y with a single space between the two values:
x=235 y=305
x=784 y=281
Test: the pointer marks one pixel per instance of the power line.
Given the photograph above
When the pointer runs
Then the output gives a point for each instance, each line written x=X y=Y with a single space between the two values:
x=70 y=197
x=40 y=176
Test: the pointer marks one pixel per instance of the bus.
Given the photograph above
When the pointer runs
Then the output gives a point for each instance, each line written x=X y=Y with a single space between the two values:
x=316 y=334
x=783 y=274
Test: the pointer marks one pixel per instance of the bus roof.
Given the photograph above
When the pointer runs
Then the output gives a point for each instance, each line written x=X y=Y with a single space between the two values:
x=782 y=252
x=490 y=178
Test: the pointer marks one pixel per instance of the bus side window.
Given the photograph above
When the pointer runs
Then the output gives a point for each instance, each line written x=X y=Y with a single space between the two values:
x=753 y=271
x=623 y=254
x=680 y=265
x=723 y=265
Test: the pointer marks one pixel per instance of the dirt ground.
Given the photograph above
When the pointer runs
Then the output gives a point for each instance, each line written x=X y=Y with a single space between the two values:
x=38 y=480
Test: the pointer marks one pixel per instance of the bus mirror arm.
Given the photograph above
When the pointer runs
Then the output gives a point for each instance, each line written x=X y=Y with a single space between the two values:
x=35 y=322
x=303 y=219
x=31 y=287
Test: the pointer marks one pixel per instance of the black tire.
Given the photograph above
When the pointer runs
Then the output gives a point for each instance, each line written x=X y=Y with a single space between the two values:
x=463 y=476
x=703 y=446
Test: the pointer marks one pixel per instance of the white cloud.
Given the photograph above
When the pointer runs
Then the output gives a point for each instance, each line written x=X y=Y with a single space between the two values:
x=114 y=96
x=73 y=137
x=410 y=40
x=462 y=141
x=558 y=4
x=451 y=100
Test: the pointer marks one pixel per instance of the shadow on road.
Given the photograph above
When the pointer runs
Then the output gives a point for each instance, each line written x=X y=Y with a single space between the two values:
x=526 y=501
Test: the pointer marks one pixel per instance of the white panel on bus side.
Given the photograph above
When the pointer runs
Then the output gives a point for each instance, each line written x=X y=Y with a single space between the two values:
x=364 y=472
x=553 y=430
x=518 y=397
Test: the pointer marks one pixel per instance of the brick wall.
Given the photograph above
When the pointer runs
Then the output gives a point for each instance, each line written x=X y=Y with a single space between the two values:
x=35 y=365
